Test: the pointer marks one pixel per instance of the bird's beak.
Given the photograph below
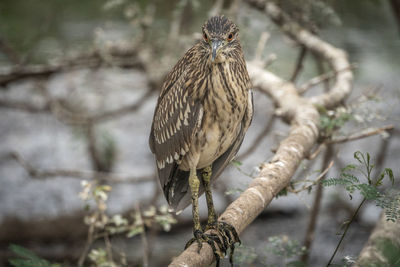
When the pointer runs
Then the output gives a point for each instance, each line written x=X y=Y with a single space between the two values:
x=215 y=45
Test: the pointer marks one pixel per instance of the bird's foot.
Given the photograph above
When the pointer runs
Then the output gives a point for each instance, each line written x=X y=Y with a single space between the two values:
x=210 y=239
x=227 y=237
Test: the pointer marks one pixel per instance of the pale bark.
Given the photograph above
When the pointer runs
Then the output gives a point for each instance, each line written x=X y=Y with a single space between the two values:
x=383 y=246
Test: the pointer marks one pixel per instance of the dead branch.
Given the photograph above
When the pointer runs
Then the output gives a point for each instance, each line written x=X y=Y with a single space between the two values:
x=385 y=237
x=80 y=174
x=314 y=182
x=310 y=232
x=321 y=78
x=303 y=134
x=359 y=135
x=299 y=63
x=125 y=57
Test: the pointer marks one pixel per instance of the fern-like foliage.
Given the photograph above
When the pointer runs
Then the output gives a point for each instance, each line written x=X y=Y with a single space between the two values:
x=28 y=259
x=368 y=185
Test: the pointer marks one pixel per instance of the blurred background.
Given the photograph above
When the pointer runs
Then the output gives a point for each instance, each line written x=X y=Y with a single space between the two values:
x=79 y=82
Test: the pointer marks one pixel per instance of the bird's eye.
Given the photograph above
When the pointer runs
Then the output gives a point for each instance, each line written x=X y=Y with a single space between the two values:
x=230 y=37
x=205 y=37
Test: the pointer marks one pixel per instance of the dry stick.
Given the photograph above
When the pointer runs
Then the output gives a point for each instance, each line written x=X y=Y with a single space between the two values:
x=321 y=78
x=122 y=57
x=314 y=182
x=345 y=231
x=303 y=134
x=88 y=243
x=321 y=71
x=359 y=135
x=258 y=139
x=145 y=244
x=299 y=63
x=87 y=175
x=309 y=237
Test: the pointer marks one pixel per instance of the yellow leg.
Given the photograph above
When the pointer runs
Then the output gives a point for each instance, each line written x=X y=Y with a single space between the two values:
x=212 y=216
x=194 y=184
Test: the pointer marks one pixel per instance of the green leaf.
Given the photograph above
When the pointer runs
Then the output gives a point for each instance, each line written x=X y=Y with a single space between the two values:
x=389 y=173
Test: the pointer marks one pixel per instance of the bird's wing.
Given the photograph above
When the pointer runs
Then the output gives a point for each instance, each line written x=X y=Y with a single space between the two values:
x=175 y=121
x=182 y=199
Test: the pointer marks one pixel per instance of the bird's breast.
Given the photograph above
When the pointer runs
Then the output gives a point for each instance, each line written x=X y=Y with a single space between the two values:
x=224 y=107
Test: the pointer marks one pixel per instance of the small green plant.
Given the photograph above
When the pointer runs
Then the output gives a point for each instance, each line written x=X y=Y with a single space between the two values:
x=102 y=226
x=367 y=186
x=28 y=258
x=287 y=249
x=332 y=120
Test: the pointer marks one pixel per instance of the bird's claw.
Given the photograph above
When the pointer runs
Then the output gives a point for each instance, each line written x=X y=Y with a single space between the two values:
x=211 y=239
x=226 y=238
x=228 y=235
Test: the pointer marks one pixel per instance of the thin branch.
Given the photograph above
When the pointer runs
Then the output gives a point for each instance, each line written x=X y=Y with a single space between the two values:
x=309 y=237
x=24 y=106
x=80 y=174
x=117 y=56
x=359 y=135
x=322 y=78
x=299 y=63
x=314 y=182
x=258 y=139
x=145 y=244
x=345 y=231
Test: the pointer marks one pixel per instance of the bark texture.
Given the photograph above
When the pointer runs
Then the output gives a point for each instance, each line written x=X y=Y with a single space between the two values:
x=383 y=246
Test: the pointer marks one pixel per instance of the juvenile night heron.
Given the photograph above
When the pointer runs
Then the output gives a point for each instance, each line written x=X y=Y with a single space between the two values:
x=202 y=114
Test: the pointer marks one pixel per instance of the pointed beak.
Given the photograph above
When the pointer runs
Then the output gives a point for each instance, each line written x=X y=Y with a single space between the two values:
x=215 y=45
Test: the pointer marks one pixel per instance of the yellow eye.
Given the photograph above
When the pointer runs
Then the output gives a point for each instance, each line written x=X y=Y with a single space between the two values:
x=205 y=37
x=230 y=37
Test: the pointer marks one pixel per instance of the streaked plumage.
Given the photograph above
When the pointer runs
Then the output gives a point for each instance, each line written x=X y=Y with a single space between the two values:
x=201 y=98
x=202 y=114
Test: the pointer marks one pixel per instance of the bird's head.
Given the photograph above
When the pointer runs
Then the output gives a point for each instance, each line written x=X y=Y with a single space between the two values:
x=220 y=37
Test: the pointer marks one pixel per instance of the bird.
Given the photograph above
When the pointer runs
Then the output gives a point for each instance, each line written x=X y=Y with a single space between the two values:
x=203 y=112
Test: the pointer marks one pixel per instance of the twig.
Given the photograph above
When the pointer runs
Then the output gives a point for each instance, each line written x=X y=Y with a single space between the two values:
x=258 y=139
x=260 y=46
x=299 y=63
x=321 y=78
x=359 y=135
x=309 y=237
x=216 y=8
x=345 y=231
x=314 y=182
x=122 y=57
x=24 y=106
x=88 y=243
x=87 y=175
x=145 y=244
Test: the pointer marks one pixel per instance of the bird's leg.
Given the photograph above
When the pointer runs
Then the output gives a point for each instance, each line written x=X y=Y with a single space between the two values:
x=199 y=236
x=226 y=231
